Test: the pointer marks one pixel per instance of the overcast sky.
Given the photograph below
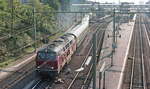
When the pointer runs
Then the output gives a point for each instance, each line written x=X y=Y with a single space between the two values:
x=116 y=1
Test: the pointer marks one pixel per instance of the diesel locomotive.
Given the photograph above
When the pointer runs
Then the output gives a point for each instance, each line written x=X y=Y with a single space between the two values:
x=51 y=59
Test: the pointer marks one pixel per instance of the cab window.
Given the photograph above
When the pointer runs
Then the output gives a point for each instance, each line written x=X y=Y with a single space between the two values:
x=48 y=55
x=41 y=55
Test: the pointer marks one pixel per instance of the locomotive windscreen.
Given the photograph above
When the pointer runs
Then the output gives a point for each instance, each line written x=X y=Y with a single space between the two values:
x=47 y=55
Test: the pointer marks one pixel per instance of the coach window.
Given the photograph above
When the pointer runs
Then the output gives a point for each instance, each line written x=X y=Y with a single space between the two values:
x=41 y=55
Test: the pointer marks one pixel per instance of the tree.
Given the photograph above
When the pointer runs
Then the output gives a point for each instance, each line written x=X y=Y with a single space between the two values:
x=22 y=35
x=55 y=4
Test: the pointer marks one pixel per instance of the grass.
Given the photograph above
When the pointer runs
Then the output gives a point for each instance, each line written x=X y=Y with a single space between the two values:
x=6 y=63
x=55 y=36
x=29 y=50
x=10 y=61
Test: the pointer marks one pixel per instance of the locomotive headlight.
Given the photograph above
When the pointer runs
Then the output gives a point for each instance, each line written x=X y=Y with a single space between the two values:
x=52 y=67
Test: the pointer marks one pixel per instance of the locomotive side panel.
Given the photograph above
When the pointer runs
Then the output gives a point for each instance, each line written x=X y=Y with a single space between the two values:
x=66 y=56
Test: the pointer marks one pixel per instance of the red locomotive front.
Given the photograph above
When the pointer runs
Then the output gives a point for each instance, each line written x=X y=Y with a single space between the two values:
x=47 y=63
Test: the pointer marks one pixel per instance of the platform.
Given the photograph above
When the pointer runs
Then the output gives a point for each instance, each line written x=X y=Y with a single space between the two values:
x=114 y=75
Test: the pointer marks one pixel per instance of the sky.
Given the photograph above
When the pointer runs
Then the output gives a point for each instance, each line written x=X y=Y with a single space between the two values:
x=116 y=1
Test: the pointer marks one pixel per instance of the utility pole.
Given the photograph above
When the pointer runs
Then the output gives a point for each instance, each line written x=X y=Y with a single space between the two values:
x=114 y=27
x=113 y=43
x=12 y=15
x=94 y=61
x=35 y=41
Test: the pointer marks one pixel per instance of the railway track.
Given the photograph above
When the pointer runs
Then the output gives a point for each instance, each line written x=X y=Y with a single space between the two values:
x=147 y=49
x=100 y=36
x=17 y=76
x=88 y=79
x=138 y=65
x=87 y=75
x=72 y=84
x=42 y=84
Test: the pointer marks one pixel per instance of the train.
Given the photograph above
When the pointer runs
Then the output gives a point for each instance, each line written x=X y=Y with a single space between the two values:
x=51 y=59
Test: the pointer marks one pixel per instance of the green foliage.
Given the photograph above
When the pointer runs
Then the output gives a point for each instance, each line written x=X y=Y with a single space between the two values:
x=55 y=4
x=17 y=25
x=29 y=50
x=2 y=5
x=6 y=63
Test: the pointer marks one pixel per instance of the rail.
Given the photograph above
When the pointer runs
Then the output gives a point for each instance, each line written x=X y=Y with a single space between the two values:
x=139 y=56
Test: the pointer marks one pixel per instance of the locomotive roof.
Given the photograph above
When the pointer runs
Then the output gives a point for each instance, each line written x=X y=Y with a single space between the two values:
x=58 y=43
x=80 y=27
